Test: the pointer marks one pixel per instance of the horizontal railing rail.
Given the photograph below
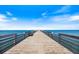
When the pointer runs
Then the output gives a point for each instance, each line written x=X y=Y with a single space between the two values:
x=10 y=40
x=72 y=36
x=71 y=42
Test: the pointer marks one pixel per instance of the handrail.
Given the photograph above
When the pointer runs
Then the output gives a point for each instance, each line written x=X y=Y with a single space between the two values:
x=6 y=42
x=7 y=35
x=72 y=36
x=69 y=41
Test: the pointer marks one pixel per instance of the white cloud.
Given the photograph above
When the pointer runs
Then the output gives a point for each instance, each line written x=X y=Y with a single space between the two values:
x=44 y=14
x=64 y=18
x=44 y=27
x=51 y=26
x=74 y=18
x=60 y=18
x=9 y=13
x=3 y=18
x=14 y=18
x=57 y=22
x=63 y=9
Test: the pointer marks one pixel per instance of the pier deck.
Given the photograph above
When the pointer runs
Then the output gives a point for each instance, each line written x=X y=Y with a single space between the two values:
x=39 y=43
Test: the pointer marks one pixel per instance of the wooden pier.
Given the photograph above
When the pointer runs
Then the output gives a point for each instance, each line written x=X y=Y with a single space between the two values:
x=39 y=43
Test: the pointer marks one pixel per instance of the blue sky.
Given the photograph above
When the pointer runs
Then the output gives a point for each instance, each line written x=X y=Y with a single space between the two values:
x=23 y=17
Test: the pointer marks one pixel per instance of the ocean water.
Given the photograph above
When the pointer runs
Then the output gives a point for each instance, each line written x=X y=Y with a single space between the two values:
x=71 y=32
x=4 y=32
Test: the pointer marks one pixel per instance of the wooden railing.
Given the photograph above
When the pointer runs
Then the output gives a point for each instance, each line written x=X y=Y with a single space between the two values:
x=72 y=36
x=8 y=41
x=69 y=41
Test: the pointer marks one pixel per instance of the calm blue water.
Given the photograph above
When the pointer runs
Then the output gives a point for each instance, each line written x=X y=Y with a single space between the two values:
x=71 y=32
x=3 y=32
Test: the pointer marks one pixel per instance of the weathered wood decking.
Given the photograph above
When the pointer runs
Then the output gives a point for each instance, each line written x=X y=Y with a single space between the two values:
x=37 y=44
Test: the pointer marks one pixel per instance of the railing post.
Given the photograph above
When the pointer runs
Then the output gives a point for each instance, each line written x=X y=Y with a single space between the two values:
x=59 y=36
x=14 y=39
x=24 y=35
